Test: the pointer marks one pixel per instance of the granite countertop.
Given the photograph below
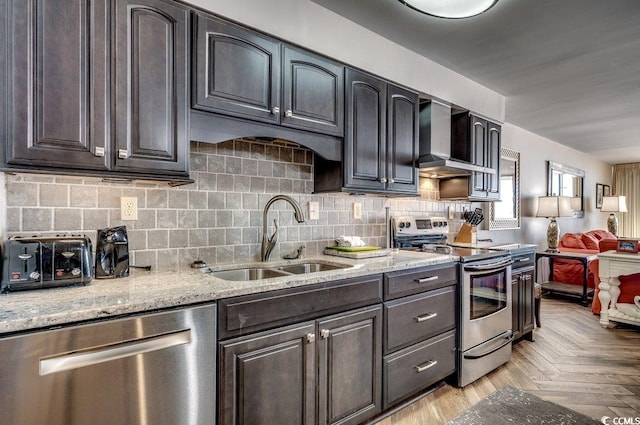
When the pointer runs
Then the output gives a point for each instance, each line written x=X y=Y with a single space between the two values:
x=152 y=290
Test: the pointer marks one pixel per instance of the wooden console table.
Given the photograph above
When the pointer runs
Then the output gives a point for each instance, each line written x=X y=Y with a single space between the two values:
x=614 y=264
x=565 y=288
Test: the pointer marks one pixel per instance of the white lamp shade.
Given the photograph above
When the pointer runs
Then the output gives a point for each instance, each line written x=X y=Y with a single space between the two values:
x=576 y=204
x=554 y=206
x=614 y=204
x=453 y=9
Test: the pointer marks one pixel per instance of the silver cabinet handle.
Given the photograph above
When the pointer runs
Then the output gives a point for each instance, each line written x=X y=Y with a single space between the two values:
x=25 y=257
x=426 y=279
x=311 y=338
x=288 y=113
x=112 y=352
x=99 y=151
x=392 y=181
x=425 y=317
x=275 y=110
x=123 y=154
x=522 y=260
x=428 y=365
x=383 y=179
x=325 y=333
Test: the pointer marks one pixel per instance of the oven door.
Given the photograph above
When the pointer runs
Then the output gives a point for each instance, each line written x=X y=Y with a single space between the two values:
x=486 y=301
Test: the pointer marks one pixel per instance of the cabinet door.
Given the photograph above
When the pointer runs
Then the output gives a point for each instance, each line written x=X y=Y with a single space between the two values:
x=57 y=83
x=365 y=132
x=516 y=307
x=350 y=366
x=492 y=183
x=478 y=155
x=269 y=378
x=313 y=92
x=151 y=110
x=527 y=300
x=402 y=140
x=236 y=71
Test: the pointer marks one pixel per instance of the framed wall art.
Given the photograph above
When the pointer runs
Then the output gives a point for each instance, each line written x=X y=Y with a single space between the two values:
x=599 y=194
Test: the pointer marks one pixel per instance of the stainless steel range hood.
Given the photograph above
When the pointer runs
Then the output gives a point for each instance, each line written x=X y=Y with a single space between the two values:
x=435 y=144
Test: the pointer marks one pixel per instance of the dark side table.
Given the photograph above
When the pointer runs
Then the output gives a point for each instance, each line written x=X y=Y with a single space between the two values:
x=565 y=288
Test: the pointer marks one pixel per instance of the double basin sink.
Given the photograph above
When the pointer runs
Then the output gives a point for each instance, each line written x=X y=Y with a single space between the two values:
x=267 y=272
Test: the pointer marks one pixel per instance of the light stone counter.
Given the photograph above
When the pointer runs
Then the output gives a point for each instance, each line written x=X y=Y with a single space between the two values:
x=146 y=291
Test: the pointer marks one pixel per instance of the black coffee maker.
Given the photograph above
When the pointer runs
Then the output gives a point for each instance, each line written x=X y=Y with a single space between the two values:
x=112 y=253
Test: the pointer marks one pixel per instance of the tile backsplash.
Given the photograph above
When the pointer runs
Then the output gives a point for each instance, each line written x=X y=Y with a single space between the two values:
x=218 y=218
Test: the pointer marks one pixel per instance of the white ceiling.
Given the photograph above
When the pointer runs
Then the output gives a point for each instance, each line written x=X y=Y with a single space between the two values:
x=569 y=69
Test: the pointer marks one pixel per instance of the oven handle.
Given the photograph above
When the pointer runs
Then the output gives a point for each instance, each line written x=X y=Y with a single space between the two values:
x=500 y=341
x=492 y=266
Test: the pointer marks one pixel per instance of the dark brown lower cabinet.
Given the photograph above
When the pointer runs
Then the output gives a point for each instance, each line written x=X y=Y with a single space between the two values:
x=522 y=282
x=522 y=306
x=271 y=377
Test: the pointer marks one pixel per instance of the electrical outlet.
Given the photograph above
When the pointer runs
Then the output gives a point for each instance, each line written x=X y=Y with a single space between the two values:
x=128 y=208
x=357 y=211
x=314 y=210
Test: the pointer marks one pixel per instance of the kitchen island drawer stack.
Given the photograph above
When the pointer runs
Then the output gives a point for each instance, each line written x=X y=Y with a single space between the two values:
x=419 y=330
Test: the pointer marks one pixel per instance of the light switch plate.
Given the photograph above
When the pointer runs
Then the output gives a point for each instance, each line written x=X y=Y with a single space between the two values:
x=357 y=211
x=314 y=210
x=128 y=208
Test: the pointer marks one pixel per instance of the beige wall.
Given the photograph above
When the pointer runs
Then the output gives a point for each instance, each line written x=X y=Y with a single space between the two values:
x=535 y=151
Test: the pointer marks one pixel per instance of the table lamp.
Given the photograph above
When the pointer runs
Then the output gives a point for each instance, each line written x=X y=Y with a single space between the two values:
x=553 y=207
x=613 y=204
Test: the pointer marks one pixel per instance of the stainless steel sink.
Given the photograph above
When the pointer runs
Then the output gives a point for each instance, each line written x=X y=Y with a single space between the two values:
x=244 y=274
x=311 y=267
x=257 y=273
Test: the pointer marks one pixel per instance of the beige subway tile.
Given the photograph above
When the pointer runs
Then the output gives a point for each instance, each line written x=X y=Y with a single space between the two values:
x=37 y=220
x=108 y=196
x=157 y=198
x=178 y=238
x=54 y=195
x=187 y=219
x=157 y=239
x=178 y=199
x=167 y=219
x=22 y=194
x=67 y=219
x=198 y=237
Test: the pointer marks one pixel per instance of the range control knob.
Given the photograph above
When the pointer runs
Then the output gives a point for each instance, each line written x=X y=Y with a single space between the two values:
x=34 y=275
x=407 y=224
x=401 y=225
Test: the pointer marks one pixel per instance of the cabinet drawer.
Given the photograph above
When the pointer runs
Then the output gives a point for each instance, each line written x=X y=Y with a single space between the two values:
x=255 y=312
x=419 y=317
x=418 y=366
x=523 y=260
x=408 y=282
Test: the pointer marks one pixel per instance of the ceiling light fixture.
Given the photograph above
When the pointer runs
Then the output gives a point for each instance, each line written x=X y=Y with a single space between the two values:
x=451 y=9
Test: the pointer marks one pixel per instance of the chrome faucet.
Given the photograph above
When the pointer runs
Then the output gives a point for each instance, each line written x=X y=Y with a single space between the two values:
x=268 y=242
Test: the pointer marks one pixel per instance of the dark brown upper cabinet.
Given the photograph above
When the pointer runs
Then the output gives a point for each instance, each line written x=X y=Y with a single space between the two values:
x=313 y=92
x=381 y=140
x=57 y=92
x=246 y=74
x=151 y=83
x=236 y=70
x=79 y=103
x=477 y=140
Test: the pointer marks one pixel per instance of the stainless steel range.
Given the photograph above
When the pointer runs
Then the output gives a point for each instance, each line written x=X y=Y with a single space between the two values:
x=484 y=319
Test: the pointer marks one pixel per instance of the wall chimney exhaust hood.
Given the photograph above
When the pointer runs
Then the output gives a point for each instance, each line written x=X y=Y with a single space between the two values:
x=435 y=160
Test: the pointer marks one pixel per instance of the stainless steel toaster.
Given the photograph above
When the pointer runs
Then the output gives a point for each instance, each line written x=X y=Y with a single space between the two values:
x=39 y=262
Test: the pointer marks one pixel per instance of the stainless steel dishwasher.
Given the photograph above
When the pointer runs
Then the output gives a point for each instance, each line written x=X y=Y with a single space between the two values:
x=148 y=369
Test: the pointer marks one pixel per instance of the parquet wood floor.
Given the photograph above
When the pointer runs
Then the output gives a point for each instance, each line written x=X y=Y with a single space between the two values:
x=573 y=362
